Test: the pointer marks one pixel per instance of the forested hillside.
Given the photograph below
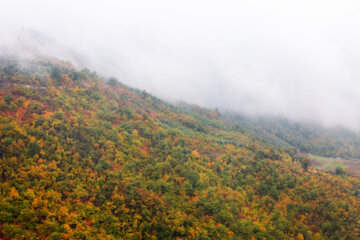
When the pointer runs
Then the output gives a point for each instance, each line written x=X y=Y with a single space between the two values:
x=82 y=157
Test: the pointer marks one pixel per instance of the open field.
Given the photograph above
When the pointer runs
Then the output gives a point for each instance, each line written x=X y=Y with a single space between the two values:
x=330 y=164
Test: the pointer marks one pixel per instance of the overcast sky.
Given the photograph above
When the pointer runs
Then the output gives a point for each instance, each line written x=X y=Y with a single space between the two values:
x=298 y=59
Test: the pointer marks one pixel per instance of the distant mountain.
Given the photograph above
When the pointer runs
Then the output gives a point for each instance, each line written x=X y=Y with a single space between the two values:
x=82 y=157
x=307 y=137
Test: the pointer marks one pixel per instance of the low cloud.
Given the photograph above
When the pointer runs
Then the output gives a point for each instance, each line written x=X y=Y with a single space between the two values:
x=297 y=60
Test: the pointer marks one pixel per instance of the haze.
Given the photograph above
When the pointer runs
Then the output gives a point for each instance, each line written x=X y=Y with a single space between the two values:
x=298 y=60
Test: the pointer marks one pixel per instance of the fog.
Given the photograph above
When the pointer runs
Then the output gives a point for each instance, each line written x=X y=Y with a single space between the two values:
x=296 y=59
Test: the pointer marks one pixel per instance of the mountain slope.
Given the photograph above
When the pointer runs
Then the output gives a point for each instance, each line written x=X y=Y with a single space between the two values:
x=85 y=159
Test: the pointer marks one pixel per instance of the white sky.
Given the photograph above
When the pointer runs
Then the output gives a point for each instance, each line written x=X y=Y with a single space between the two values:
x=298 y=59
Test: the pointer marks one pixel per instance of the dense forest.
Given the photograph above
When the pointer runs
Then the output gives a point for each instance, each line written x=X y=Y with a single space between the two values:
x=83 y=157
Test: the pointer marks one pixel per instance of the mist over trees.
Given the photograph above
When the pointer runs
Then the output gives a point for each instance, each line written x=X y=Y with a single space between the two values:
x=257 y=58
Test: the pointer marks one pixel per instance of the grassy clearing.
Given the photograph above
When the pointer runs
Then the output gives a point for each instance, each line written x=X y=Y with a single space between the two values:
x=337 y=164
x=320 y=158
x=330 y=164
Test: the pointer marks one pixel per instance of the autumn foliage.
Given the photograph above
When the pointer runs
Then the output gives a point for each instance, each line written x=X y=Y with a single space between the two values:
x=83 y=159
